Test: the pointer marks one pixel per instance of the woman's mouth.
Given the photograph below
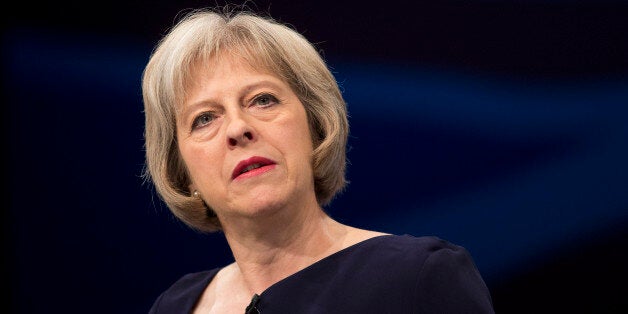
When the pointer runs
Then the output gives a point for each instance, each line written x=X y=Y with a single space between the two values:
x=253 y=166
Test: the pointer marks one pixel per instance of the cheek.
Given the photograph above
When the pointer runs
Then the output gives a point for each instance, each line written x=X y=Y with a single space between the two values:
x=296 y=143
x=306 y=137
x=300 y=132
x=293 y=136
x=200 y=161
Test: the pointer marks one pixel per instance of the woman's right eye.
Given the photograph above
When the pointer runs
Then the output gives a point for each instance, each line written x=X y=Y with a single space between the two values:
x=202 y=120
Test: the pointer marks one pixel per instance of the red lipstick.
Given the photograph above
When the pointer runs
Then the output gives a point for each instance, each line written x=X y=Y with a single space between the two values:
x=252 y=166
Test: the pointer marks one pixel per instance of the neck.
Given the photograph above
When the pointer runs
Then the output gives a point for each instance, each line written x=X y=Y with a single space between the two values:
x=269 y=249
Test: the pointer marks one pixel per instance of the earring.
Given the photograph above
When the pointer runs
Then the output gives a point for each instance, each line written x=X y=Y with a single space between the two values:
x=208 y=211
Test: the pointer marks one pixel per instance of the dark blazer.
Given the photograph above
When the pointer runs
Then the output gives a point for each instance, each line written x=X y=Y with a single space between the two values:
x=385 y=274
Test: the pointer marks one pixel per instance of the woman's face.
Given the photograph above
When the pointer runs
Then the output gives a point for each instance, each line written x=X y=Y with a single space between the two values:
x=244 y=137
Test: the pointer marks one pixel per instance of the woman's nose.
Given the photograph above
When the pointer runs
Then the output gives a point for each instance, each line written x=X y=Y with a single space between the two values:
x=239 y=132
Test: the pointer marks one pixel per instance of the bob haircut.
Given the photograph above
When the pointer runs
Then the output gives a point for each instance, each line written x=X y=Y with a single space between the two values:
x=203 y=35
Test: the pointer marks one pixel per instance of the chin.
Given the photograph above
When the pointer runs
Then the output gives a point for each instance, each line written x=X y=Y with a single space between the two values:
x=264 y=201
x=260 y=207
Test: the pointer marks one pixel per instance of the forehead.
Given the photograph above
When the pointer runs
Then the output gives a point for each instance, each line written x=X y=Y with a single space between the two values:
x=222 y=65
x=225 y=75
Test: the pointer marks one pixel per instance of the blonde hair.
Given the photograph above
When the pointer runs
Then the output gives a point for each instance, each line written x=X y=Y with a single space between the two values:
x=204 y=34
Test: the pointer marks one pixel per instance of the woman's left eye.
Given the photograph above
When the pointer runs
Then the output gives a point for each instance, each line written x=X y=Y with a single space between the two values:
x=265 y=100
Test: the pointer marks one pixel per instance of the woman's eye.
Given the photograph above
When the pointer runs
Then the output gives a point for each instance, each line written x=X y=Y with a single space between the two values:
x=265 y=100
x=202 y=120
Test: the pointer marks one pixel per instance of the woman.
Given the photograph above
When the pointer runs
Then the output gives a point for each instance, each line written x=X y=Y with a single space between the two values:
x=245 y=134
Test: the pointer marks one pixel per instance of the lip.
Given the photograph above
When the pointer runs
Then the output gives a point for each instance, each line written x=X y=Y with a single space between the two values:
x=266 y=165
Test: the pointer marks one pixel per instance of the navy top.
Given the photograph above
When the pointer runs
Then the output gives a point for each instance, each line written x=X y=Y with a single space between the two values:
x=384 y=274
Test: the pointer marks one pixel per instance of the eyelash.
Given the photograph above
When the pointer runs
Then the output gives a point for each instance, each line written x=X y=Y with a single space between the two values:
x=270 y=97
x=197 y=123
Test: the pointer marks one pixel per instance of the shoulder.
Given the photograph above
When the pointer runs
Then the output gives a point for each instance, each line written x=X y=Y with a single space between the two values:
x=431 y=242
x=393 y=258
x=183 y=293
x=418 y=249
x=406 y=274
x=445 y=277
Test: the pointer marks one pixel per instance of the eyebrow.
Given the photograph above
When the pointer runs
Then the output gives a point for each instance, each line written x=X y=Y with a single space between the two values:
x=262 y=83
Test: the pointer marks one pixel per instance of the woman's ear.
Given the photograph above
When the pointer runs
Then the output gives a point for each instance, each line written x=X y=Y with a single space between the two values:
x=192 y=189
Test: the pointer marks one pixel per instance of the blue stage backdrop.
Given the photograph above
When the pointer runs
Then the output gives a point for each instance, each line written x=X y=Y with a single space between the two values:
x=512 y=143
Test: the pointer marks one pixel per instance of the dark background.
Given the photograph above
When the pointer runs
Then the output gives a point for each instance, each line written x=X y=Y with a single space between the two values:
x=498 y=125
